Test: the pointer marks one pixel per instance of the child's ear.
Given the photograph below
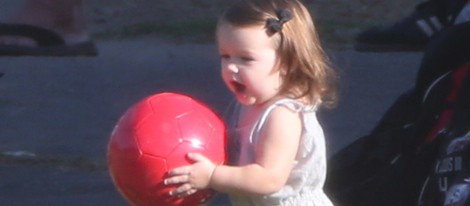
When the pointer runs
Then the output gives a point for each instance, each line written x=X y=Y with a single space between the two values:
x=278 y=65
x=282 y=69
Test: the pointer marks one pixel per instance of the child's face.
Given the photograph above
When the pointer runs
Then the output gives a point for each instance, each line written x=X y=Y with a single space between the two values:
x=249 y=63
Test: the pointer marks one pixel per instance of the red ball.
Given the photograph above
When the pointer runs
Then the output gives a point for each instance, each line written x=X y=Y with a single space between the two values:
x=153 y=137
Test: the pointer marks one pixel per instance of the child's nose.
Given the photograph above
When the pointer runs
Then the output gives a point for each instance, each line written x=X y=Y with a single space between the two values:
x=232 y=67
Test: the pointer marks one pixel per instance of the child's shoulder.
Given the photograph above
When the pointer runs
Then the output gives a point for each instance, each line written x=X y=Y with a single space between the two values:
x=285 y=112
x=295 y=105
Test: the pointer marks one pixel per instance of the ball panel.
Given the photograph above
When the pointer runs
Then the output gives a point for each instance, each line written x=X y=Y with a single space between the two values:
x=170 y=104
x=194 y=128
x=163 y=130
x=178 y=157
x=216 y=141
x=149 y=185
x=139 y=181
x=123 y=133
x=137 y=114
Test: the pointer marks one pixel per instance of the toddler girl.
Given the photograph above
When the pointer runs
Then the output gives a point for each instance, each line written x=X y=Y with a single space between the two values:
x=273 y=63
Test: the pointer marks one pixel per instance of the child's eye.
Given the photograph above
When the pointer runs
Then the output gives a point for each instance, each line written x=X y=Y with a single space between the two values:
x=224 y=56
x=246 y=59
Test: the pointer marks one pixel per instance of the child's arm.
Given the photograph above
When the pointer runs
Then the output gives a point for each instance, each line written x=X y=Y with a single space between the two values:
x=276 y=152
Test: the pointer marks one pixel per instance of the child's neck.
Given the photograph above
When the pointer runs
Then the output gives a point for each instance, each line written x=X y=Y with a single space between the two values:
x=250 y=113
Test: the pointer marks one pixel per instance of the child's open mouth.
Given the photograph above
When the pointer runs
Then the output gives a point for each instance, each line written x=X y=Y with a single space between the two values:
x=239 y=87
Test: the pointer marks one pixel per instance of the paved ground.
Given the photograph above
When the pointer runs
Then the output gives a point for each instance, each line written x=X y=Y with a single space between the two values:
x=56 y=114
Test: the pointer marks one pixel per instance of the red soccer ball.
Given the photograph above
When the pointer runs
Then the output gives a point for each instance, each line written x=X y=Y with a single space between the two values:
x=155 y=136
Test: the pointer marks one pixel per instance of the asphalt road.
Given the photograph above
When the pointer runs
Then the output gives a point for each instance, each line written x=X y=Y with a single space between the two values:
x=56 y=114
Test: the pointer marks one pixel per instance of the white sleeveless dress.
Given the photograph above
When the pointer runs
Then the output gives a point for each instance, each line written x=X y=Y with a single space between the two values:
x=304 y=186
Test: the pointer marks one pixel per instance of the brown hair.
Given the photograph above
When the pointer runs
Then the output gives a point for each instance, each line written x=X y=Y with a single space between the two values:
x=306 y=70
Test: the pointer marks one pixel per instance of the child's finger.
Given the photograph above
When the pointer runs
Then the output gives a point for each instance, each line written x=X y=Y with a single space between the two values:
x=185 y=170
x=190 y=192
x=197 y=157
x=176 y=179
x=183 y=190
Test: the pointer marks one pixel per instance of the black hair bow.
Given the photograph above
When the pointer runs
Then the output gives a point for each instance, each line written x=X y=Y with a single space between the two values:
x=275 y=25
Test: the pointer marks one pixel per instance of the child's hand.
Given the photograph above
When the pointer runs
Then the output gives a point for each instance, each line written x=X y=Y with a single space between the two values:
x=191 y=177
